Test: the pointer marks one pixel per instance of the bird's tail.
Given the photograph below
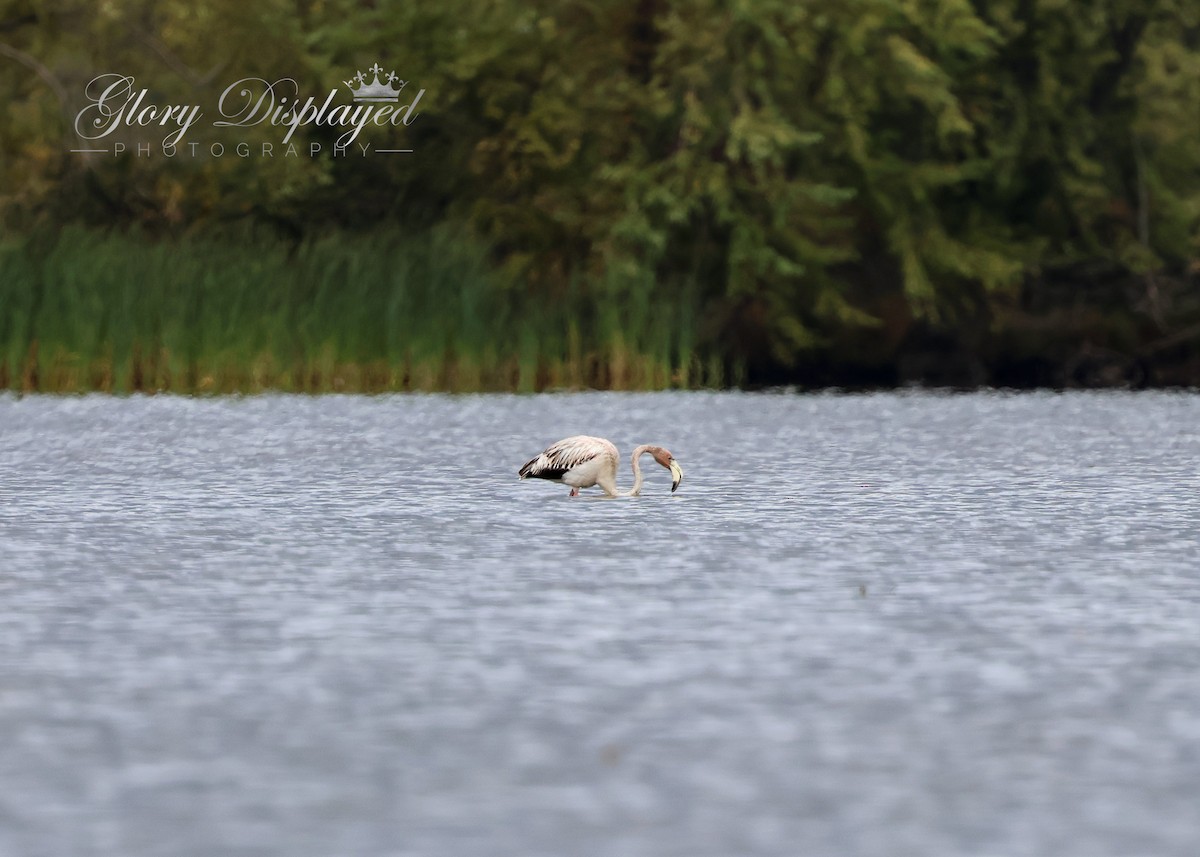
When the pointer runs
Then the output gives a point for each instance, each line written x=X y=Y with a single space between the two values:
x=541 y=467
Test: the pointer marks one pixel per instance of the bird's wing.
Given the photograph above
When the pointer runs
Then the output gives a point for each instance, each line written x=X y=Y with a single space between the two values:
x=565 y=455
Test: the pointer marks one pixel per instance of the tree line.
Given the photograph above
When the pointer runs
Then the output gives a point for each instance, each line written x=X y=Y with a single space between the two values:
x=856 y=192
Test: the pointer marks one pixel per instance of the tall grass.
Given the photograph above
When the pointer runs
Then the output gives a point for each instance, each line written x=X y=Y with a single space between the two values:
x=356 y=313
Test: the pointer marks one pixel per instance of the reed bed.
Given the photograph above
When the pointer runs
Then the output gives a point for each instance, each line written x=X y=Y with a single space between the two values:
x=120 y=313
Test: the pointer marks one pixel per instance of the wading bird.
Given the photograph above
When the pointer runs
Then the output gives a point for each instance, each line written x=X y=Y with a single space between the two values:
x=583 y=461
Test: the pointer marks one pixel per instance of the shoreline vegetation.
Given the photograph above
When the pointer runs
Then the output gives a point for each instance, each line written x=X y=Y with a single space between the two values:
x=89 y=311
x=602 y=194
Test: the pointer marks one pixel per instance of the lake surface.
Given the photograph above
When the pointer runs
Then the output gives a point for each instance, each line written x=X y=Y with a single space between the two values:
x=893 y=624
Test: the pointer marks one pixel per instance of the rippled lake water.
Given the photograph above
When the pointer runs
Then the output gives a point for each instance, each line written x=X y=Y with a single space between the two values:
x=895 y=624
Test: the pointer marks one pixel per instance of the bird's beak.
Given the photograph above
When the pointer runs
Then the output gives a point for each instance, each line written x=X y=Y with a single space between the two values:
x=676 y=475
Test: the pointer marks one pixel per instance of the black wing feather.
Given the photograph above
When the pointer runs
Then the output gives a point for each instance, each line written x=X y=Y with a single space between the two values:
x=553 y=473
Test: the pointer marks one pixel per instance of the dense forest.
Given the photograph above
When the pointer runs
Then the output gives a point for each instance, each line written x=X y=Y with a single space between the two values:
x=635 y=194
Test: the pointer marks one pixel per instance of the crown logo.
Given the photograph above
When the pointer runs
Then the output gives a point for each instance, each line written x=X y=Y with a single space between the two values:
x=376 y=90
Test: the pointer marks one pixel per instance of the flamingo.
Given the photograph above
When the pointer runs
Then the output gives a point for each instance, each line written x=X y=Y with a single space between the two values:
x=583 y=461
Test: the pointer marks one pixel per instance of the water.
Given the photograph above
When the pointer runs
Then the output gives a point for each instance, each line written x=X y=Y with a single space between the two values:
x=865 y=625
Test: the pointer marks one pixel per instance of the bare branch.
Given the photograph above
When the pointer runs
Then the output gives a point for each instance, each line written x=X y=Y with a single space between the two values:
x=39 y=69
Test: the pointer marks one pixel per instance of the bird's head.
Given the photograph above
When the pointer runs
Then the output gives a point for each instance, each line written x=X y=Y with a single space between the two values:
x=664 y=457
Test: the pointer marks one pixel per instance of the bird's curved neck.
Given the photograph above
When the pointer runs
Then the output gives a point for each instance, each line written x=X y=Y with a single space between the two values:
x=638 y=478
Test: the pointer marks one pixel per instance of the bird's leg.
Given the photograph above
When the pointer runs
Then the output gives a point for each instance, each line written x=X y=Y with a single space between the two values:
x=574 y=492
